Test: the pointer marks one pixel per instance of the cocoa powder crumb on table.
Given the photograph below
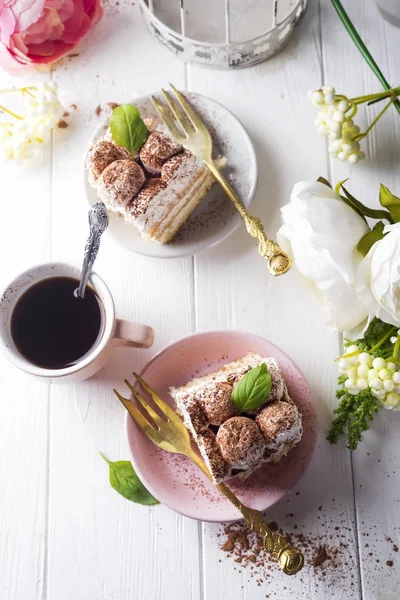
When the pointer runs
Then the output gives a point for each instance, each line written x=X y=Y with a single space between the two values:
x=320 y=557
x=62 y=125
x=389 y=563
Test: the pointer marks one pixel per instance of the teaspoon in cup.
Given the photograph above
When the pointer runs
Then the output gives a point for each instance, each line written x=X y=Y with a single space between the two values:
x=98 y=223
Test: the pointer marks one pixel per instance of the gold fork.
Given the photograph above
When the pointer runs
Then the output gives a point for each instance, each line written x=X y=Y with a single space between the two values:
x=194 y=136
x=169 y=433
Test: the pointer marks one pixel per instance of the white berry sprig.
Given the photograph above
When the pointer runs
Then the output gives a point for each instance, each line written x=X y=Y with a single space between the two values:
x=363 y=371
x=381 y=375
x=335 y=119
x=39 y=111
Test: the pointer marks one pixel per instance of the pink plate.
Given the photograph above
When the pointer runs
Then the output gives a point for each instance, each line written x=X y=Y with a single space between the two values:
x=173 y=478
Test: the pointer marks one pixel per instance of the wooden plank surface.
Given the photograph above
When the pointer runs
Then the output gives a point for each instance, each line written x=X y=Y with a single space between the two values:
x=64 y=533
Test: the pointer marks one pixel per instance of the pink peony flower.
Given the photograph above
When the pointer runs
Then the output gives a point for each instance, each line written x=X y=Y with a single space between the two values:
x=37 y=32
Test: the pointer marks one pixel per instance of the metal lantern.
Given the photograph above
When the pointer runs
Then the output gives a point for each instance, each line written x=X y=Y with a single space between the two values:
x=227 y=34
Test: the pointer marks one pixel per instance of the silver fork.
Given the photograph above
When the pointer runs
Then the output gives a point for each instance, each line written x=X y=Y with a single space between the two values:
x=167 y=430
x=187 y=129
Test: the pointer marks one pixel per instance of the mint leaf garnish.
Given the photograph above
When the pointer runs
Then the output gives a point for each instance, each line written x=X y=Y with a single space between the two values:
x=127 y=127
x=253 y=389
x=125 y=481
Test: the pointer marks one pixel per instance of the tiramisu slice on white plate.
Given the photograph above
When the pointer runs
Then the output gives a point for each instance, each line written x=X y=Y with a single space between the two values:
x=155 y=185
x=171 y=200
x=240 y=416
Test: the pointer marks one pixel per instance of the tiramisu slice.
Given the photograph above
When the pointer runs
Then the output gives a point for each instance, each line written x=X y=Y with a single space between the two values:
x=233 y=442
x=155 y=188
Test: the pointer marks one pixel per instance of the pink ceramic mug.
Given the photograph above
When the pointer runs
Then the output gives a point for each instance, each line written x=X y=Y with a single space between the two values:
x=116 y=332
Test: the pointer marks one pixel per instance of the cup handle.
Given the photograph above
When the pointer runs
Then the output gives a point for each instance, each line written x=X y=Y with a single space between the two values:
x=133 y=335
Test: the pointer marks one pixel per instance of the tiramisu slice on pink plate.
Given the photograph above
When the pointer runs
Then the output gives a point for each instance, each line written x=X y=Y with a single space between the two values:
x=240 y=416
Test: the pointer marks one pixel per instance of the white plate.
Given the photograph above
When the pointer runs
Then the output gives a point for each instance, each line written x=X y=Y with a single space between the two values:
x=215 y=218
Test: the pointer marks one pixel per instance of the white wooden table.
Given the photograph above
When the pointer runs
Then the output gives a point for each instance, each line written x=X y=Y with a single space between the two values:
x=64 y=533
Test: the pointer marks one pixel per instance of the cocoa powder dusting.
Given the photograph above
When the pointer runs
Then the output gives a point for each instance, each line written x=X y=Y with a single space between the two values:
x=326 y=556
x=320 y=557
x=247 y=548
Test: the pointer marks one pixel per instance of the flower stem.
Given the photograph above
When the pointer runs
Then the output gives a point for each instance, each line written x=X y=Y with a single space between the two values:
x=360 y=136
x=383 y=340
x=23 y=89
x=394 y=92
x=396 y=349
x=362 y=47
x=376 y=347
x=10 y=112
x=349 y=355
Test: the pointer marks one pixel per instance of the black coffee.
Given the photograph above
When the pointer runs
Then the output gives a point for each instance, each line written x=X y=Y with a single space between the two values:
x=52 y=327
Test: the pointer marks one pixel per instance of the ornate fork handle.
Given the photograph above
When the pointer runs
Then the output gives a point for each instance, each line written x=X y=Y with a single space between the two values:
x=290 y=559
x=278 y=261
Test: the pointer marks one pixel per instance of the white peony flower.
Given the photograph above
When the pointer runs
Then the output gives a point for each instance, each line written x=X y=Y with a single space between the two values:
x=378 y=278
x=320 y=232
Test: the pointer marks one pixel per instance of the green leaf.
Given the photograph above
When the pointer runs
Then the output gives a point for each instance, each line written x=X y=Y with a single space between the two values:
x=339 y=185
x=390 y=201
x=125 y=481
x=324 y=181
x=253 y=389
x=366 y=211
x=369 y=239
x=359 y=207
x=362 y=47
x=127 y=127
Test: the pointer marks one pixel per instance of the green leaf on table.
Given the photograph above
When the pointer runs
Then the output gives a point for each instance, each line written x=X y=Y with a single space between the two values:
x=369 y=239
x=390 y=201
x=125 y=481
x=127 y=127
x=253 y=389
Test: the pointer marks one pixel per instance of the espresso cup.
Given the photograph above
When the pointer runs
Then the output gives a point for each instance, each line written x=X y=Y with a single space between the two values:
x=116 y=332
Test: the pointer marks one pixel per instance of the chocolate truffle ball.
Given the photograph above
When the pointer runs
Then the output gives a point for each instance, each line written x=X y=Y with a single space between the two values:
x=119 y=183
x=216 y=400
x=157 y=149
x=171 y=166
x=139 y=204
x=102 y=154
x=279 y=417
x=241 y=442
